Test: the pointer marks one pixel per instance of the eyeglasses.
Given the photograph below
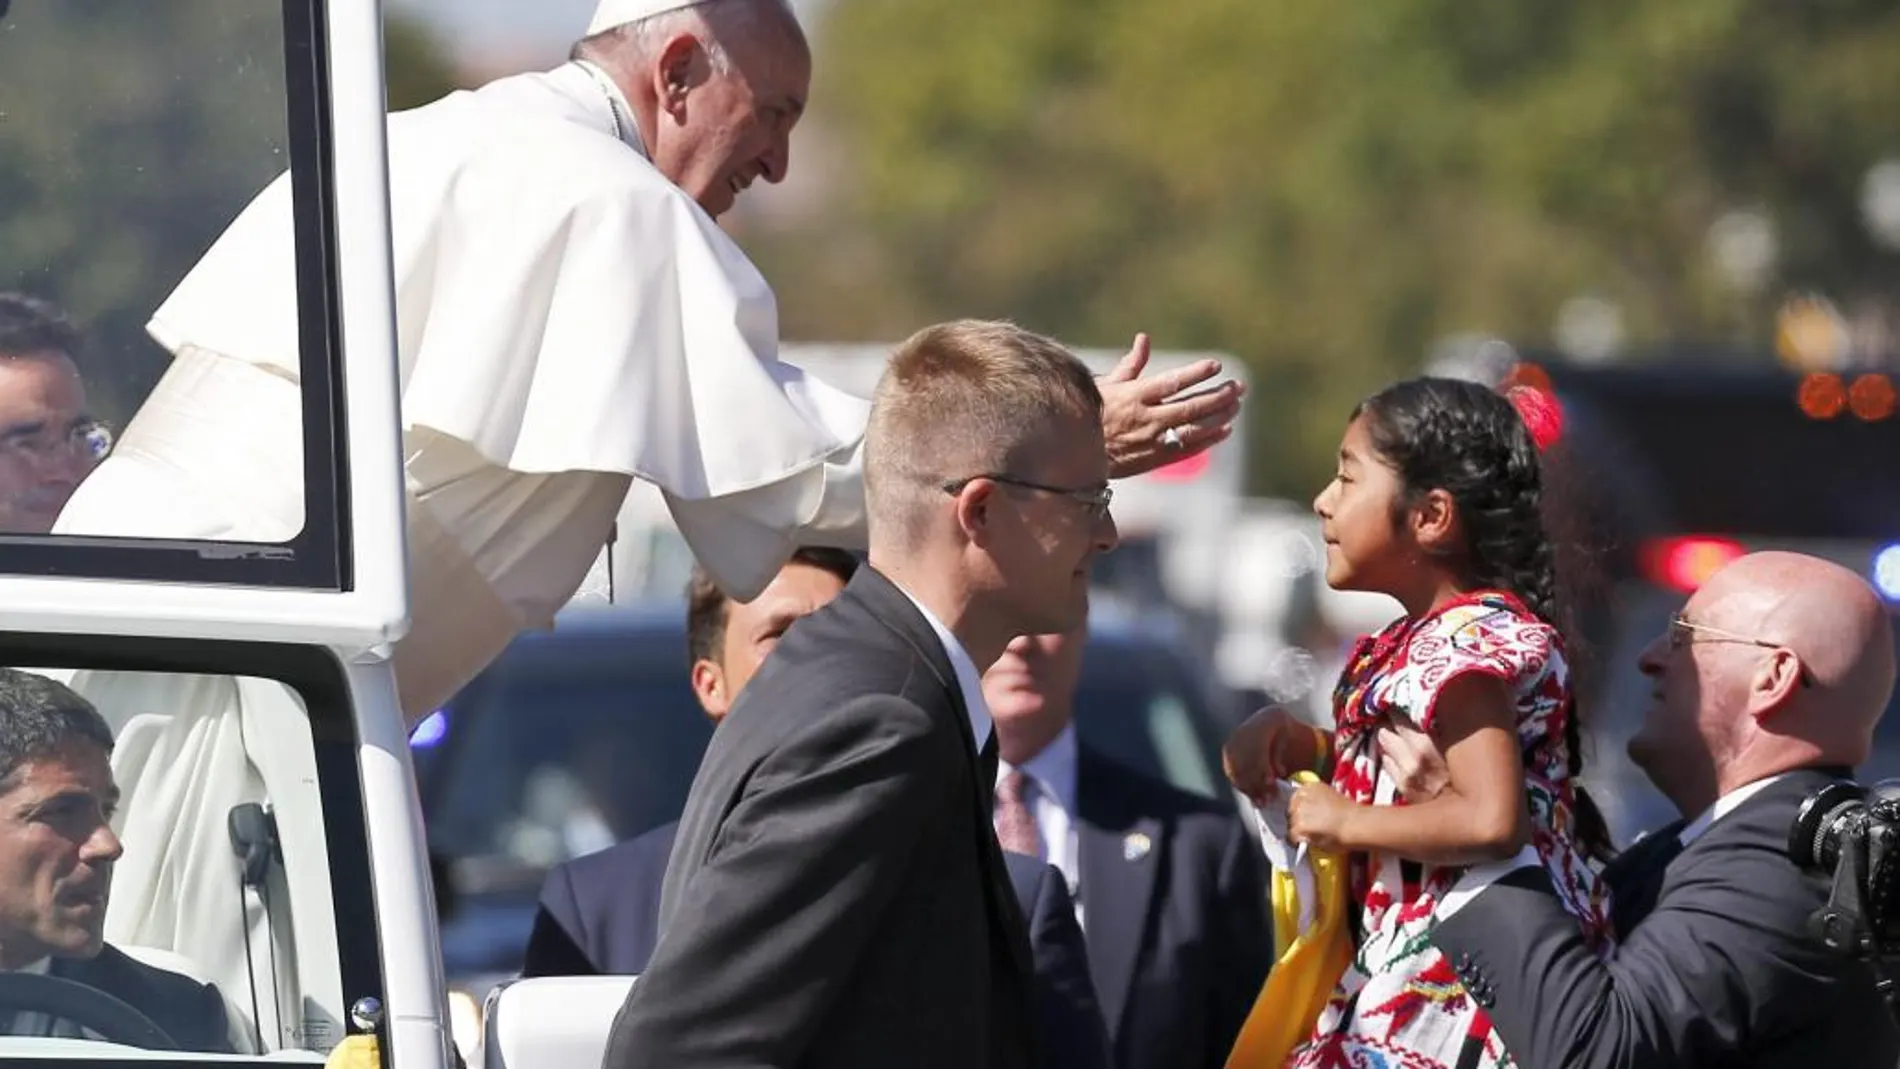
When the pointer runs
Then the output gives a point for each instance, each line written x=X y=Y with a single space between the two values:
x=90 y=440
x=1682 y=632
x=1094 y=498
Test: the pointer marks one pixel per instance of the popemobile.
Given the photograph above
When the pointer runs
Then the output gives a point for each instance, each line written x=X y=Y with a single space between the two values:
x=259 y=891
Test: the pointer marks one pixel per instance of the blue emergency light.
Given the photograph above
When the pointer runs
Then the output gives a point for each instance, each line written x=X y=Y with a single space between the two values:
x=1887 y=572
x=433 y=729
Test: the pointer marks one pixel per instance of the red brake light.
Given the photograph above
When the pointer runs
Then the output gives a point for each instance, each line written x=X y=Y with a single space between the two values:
x=1684 y=564
x=1183 y=471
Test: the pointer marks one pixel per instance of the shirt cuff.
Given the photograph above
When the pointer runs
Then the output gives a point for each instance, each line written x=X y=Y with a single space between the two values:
x=1479 y=877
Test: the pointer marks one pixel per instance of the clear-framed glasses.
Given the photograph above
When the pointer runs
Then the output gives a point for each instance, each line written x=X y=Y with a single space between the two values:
x=1683 y=631
x=1095 y=499
x=90 y=441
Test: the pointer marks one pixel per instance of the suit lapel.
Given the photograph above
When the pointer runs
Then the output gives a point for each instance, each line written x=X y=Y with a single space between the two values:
x=893 y=608
x=1636 y=875
x=1121 y=858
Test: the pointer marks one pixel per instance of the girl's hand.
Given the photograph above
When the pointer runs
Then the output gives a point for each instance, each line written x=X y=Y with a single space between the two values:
x=1317 y=816
x=1267 y=747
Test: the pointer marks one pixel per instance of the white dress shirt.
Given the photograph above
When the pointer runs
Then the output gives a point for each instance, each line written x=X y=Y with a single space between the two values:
x=1050 y=796
x=1723 y=807
x=969 y=680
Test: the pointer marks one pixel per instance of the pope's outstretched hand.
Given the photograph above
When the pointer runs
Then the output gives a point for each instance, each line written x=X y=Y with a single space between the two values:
x=1151 y=422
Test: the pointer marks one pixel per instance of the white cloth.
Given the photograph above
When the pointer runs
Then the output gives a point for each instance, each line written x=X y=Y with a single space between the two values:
x=563 y=307
x=969 y=680
x=1051 y=799
x=189 y=749
x=567 y=320
x=612 y=13
x=1276 y=840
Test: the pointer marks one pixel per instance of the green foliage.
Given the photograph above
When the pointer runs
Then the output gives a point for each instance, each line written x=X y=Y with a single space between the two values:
x=1326 y=189
x=131 y=133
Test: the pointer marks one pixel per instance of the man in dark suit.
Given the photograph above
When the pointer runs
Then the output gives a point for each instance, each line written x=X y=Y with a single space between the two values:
x=599 y=914
x=57 y=796
x=1767 y=685
x=836 y=896
x=1171 y=890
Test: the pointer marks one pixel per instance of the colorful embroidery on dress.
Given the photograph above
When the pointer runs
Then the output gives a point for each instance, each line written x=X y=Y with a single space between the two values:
x=1400 y=1003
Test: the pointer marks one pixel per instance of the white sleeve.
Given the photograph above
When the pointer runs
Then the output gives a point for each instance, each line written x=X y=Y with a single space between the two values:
x=743 y=539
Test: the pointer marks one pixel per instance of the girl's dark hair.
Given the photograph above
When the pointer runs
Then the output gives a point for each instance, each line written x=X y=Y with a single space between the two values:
x=1471 y=442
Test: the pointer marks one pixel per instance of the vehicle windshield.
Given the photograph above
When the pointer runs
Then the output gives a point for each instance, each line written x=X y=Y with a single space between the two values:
x=181 y=851
x=164 y=847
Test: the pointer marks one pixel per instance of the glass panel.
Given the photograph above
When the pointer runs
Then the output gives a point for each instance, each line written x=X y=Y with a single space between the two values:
x=164 y=840
x=132 y=134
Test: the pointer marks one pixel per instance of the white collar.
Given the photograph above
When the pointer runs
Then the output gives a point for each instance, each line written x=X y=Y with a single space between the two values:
x=616 y=109
x=1053 y=768
x=969 y=680
x=41 y=967
x=1723 y=807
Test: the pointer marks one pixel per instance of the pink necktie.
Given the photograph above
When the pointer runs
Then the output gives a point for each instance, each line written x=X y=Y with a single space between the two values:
x=1016 y=828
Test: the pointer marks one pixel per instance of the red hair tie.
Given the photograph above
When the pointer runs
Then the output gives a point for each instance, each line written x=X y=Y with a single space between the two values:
x=1541 y=414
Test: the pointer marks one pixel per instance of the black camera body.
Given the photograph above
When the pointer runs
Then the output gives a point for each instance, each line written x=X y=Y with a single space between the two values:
x=1853 y=832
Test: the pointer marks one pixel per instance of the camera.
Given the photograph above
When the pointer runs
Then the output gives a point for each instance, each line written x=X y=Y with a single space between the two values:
x=1853 y=832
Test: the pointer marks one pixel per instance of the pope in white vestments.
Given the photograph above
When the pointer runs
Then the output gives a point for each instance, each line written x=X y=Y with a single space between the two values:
x=568 y=319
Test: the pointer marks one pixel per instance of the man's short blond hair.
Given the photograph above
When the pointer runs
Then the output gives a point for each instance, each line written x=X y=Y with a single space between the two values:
x=966 y=398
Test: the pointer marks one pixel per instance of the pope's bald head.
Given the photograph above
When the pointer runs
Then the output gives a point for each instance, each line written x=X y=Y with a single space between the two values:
x=1836 y=625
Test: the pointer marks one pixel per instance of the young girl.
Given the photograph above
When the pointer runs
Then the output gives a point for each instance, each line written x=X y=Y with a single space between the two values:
x=1436 y=502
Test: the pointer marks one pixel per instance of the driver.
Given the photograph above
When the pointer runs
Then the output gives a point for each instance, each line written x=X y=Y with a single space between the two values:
x=56 y=855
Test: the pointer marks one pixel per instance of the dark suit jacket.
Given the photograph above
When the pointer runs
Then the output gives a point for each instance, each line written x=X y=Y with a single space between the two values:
x=1721 y=971
x=600 y=915
x=836 y=896
x=188 y=1011
x=1174 y=901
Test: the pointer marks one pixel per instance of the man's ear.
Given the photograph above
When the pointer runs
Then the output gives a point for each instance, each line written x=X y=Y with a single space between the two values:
x=677 y=72
x=1773 y=683
x=975 y=508
x=709 y=686
x=1434 y=519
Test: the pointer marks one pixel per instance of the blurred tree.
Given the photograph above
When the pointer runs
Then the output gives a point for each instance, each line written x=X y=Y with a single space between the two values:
x=1327 y=189
x=130 y=135
x=415 y=65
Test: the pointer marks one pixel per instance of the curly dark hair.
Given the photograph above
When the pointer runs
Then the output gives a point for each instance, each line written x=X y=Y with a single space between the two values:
x=1471 y=442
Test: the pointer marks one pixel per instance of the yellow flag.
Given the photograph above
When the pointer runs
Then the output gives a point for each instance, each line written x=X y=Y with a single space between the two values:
x=355 y=1052
x=1307 y=964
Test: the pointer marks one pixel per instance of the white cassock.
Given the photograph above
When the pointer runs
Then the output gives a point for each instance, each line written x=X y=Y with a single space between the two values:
x=568 y=320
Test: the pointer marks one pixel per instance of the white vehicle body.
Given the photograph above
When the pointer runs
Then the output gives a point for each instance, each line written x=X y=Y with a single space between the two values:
x=352 y=927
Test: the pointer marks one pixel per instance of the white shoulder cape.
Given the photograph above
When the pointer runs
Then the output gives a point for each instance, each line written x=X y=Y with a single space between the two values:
x=561 y=306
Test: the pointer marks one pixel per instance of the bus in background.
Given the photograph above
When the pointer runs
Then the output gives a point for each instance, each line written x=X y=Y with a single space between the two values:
x=1666 y=472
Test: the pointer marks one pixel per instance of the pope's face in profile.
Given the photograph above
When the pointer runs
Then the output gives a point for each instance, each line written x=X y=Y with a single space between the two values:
x=734 y=127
